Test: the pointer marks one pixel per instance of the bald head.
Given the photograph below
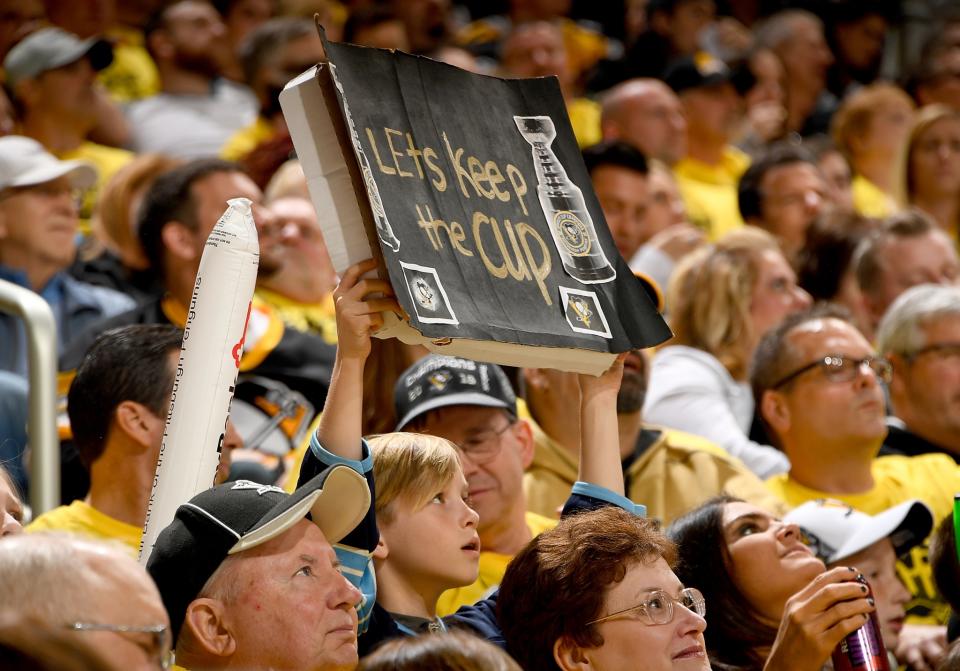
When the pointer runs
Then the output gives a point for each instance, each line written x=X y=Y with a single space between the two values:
x=59 y=580
x=648 y=115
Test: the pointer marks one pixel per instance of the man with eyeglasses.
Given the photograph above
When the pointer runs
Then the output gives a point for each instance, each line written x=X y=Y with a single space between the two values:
x=473 y=405
x=819 y=389
x=93 y=589
x=38 y=242
x=920 y=335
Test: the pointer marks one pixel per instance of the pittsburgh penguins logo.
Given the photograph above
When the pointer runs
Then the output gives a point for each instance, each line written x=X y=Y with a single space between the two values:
x=582 y=310
x=424 y=294
x=572 y=233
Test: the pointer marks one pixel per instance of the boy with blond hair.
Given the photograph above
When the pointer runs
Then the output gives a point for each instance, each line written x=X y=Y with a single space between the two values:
x=428 y=531
x=420 y=532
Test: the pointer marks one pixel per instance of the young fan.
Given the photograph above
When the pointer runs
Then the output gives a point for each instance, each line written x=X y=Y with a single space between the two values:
x=420 y=533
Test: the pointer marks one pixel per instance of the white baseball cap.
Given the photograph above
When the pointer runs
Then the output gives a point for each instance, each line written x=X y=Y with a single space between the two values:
x=836 y=531
x=24 y=162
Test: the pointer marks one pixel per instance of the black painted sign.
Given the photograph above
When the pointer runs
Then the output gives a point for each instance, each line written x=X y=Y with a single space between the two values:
x=483 y=207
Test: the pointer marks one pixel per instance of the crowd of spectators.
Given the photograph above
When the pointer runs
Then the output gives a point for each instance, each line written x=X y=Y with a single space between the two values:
x=784 y=174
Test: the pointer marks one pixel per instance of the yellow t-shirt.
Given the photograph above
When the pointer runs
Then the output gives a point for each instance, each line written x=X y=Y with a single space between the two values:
x=869 y=200
x=932 y=478
x=82 y=518
x=133 y=74
x=710 y=191
x=107 y=161
x=492 y=567
x=585 y=118
x=318 y=318
x=247 y=139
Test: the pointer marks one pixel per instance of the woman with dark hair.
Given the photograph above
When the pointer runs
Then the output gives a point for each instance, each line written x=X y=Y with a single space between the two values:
x=773 y=604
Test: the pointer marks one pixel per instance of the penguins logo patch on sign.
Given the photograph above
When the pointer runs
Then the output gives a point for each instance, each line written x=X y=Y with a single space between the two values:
x=424 y=294
x=583 y=312
x=429 y=298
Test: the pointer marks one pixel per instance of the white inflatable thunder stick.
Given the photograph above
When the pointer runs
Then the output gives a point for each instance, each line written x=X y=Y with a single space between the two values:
x=207 y=370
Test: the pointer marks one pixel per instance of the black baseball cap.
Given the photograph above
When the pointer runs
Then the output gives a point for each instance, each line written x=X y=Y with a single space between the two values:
x=237 y=516
x=441 y=381
x=698 y=71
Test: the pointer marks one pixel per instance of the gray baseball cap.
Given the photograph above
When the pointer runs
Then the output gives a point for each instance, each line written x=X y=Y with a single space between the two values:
x=52 y=48
x=24 y=162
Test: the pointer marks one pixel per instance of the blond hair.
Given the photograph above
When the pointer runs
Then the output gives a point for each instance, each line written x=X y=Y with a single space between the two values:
x=924 y=120
x=857 y=111
x=710 y=295
x=410 y=468
x=114 y=225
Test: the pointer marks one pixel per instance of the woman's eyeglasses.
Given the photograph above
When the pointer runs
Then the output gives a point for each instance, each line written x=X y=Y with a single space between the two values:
x=658 y=608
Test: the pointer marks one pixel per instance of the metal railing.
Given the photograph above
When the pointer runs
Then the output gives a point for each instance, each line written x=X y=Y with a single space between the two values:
x=42 y=423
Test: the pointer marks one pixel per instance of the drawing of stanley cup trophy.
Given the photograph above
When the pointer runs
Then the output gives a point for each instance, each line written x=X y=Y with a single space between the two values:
x=384 y=231
x=564 y=208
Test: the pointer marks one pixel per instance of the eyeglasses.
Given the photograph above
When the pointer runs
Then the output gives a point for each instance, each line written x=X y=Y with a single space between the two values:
x=946 y=350
x=53 y=189
x=160 y=649
x=484 y=445
x=843 y=368
x=658 y=609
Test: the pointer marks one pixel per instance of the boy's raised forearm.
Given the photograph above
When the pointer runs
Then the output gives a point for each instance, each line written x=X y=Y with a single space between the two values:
x=358 y=316
x=340 y=428
x=599 y=435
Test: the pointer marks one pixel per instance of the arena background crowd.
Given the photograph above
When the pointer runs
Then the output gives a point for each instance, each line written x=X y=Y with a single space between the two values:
x=782 y=175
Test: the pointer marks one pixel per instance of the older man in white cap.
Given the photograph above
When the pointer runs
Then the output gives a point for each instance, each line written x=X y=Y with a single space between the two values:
x=843 y=536
x=38 y=233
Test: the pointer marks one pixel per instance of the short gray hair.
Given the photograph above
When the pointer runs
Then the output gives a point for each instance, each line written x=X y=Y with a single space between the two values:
x=48 y=575
x=901 y=331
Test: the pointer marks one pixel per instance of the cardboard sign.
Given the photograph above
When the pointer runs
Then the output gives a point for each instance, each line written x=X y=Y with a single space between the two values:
x=474 y=191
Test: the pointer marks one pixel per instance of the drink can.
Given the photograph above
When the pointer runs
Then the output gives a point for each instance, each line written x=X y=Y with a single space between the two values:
x=863 y=649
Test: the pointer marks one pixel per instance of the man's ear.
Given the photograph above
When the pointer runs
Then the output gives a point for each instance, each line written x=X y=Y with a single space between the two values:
x=524 y=435
x=381 y=551
x=136 y=422
x=872 y=307
x=898 y=384
x=569 y=656
x=26 y=91
x=775 y=411
x=206 y=629
x=179 y=240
